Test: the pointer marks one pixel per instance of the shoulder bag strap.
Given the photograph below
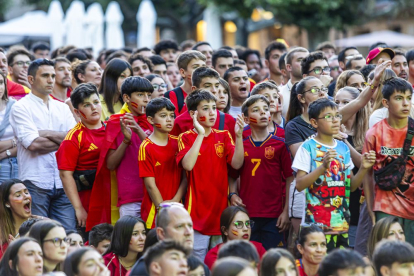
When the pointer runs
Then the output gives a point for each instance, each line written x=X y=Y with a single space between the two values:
x=222 y=119
x=409 y=137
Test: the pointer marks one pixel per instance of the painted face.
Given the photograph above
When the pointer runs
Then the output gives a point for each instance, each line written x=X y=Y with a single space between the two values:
x=137 y=102
x=173 y=74
x=199 y=271
x=30 y=259
x=159 y=88
x=139 y=234
x=172 y=263
x=356 y=81
x=396 y=232
x=103 y=246
x=63 y=74
x=208 y=52
x=400 y=66
x=90 y=110
x=314 y=249
x=93 y=74
x=75 y=242
x=259 y=114
x=20 y=201
x=55 y=249
x=164 y=120
x=399 y=104
x=239 y=85
x=207 y=113
x=274 y=98
x=243 y=233
x=222 y=64
x=284 y=267
x=222 y=96
x=180 y=227
x=92 y=264
x=140 y=68
x=169 y=55
x=210 y=84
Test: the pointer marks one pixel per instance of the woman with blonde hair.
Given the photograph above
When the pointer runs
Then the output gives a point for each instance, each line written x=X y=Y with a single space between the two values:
x=352 y=78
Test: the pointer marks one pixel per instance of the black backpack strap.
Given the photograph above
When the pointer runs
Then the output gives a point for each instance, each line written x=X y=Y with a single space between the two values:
x=167 y=95
x=222 y=119
x=409 y=137
x=180 y=98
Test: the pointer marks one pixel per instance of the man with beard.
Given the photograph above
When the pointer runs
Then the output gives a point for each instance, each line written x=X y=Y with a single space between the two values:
x=61 y=89
x=399 y=64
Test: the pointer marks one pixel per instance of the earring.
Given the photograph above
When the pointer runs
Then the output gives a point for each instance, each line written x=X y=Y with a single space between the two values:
x=7 y=205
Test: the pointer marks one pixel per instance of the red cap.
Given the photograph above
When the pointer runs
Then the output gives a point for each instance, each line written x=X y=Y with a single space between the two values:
x=375 y=52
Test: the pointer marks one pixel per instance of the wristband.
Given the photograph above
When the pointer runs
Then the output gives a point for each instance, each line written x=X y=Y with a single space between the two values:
x=374 y=87
x=231 y=194
x=128 y=144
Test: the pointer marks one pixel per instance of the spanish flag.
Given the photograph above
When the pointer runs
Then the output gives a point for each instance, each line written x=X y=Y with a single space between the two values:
x=104 y=198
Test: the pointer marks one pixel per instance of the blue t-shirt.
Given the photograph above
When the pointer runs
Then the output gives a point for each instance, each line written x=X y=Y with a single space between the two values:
x=327 y=200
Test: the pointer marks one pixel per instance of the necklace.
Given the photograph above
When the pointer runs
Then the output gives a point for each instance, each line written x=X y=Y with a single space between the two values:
x=126 y=267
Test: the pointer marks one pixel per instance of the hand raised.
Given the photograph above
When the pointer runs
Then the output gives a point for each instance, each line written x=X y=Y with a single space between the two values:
x=238 y=129
x=199 y=128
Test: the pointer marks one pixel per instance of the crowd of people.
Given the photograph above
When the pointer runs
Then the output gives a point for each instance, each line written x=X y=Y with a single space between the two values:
x=189 y=160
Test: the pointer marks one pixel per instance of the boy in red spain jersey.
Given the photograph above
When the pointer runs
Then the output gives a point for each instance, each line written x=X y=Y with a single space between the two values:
x=163 y=179
x=266 y=167
x=207 y=79
x=119 y=189
x=78 y=155
x=205 y=153
x=271 y=92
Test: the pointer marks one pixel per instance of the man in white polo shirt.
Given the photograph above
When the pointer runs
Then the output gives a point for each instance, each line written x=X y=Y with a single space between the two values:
x=40 y=125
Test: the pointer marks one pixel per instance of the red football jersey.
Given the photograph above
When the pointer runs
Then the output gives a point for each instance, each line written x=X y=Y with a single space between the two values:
x=158 y=162
x=262 y=176
x=278 y=132
x=184 y=122
x=208 y=184
x=80 y=151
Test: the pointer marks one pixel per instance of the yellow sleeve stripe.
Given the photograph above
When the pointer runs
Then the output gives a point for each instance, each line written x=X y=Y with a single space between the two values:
x=231 y=139
x=72 y=131
x=141 y=155
x=80 y=138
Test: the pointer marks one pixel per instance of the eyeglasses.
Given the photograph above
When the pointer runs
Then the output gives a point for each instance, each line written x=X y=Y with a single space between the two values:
x=58 y=241
x=239 y=224
x=316 y=90
x=329 y=117
x=354 y=56
x=319 y=70
x=336 y=68
x=21 y=63
x=159 y=86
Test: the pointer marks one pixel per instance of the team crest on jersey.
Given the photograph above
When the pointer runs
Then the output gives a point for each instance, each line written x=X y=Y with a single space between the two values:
x=269 y=152
x=219 y=149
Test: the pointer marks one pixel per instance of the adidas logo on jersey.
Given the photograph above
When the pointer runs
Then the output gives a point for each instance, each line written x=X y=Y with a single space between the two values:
x=92 y=147
x=157 y=164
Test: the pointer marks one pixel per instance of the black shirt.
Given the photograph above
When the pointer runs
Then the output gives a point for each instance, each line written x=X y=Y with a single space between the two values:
x=297 y=131
x=139 y=268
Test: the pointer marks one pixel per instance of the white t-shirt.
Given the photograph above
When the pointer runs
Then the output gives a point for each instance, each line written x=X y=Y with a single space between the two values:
x=377 y=116
x=235 y=111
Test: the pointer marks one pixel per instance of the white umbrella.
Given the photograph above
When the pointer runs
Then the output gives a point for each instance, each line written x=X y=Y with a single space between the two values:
x=55 y=15
x=94 y=28
x=146 y=17
x=114 y=36
x=213 y=33
x=389 y=37
x=74 y=23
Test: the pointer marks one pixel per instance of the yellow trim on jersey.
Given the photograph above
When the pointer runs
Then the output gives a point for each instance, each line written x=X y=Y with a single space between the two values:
x=80 y=138
x=225 y=130
x=151 y=217
x=72 y=131
x=141 y=154
x=190 y=198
